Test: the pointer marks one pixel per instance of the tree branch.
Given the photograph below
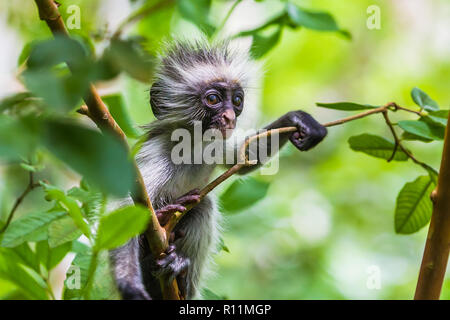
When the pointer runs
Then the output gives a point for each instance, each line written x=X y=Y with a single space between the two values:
x=98 y=112
x=435 y=256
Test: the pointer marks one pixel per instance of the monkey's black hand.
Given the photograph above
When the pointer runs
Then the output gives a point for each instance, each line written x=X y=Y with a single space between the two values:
x=164 y=213
x=309 y=132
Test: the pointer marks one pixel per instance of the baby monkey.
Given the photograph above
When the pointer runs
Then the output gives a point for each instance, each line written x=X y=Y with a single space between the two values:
x=196 y=83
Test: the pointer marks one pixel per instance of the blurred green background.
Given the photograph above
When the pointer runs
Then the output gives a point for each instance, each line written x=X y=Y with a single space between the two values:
x=328 y=217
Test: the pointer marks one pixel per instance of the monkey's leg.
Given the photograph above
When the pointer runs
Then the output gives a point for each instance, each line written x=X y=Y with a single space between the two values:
x=172 y=265
x=200 y=229
x=187 y=255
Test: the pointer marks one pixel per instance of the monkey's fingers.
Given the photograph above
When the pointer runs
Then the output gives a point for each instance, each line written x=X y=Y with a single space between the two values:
x=166 y=212
x=304 y=142
x=170 y=266
x=192 y=197
x=300 y=143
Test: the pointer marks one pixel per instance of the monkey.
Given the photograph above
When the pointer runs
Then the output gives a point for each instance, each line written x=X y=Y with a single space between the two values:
x=196 y=82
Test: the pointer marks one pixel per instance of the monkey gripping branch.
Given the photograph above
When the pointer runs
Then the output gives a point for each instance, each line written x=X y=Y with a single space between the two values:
x=437 y=247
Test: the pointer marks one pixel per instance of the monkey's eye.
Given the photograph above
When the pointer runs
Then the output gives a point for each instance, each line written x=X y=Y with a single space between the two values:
x=212 y=99
x=237 y=101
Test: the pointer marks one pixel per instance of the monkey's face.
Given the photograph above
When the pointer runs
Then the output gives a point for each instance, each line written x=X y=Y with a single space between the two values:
x=223 y=102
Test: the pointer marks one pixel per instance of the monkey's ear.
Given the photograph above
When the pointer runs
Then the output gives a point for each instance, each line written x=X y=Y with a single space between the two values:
x=154 y=103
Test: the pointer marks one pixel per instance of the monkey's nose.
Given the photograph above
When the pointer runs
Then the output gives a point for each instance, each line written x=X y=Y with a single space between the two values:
x=229 y=118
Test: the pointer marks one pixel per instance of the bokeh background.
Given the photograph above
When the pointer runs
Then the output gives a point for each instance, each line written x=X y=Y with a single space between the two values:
x=328 y=217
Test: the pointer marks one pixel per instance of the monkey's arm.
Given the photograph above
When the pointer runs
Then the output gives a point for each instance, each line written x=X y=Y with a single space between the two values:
x=308 y=135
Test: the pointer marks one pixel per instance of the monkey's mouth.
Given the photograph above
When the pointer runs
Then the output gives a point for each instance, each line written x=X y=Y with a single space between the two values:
x=225 y=131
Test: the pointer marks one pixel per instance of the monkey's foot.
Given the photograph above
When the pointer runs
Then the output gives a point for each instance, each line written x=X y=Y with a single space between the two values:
x=171 y=266
x=164 y=214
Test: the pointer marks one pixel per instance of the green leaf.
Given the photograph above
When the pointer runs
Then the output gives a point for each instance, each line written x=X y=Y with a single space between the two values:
x=209 y=295
x=49 y=79
x=128 y=56
x=322 y=21
x=61 y=93
x=438 y=117
x=70 y=204
x=29 y=228
x=433 y=173
x=243 y=194
x=92 y=200
x=117 y=227
x=98 y=157
x=345 y=106
x=18 y=137
x=42 y=252
x=197 y=12
x=346 y=34
x=376 y=146
x=27 y=167
x=57 y=254
x=26 y=256
x=103 y=287
x=412 y=137
x=414 y=207
x=278 y=20
x=24 y=54
x=28 y=281
x=61 y=49
x=61 y=231
x=15 y=99
x=423 y=100
x=50 y=257
x=423 y=128
x=262 y=44
x=36 y=164
x=77 y=274
x=119 y=111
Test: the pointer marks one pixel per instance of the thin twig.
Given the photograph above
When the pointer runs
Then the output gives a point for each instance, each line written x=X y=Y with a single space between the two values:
x=398 y=143
x=31 y=185
x=397 y=107
x=394 y=134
